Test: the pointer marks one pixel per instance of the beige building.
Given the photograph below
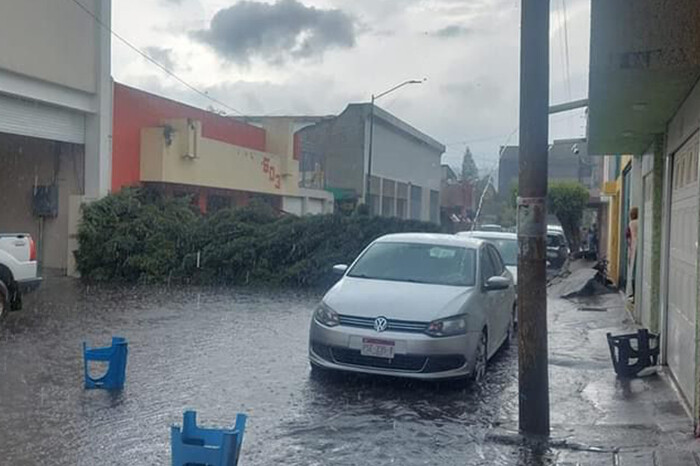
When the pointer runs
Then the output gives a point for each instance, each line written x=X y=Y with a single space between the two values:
x=216 y=160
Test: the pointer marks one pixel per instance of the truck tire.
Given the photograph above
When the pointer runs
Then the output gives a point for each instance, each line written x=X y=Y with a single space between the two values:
x=4 y=300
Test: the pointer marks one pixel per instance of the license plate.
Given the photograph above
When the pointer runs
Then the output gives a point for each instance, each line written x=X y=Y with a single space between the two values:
x=377 y=348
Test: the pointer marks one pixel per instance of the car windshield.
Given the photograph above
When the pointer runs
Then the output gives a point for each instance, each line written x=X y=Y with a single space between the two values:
x=554 y=240
x=416 y=262
x=507 y=247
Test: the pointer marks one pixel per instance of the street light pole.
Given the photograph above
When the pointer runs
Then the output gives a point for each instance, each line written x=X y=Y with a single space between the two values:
x=533 y=378
x=368 y=188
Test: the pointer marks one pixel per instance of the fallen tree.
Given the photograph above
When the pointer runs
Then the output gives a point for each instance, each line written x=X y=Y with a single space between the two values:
x=138 y=236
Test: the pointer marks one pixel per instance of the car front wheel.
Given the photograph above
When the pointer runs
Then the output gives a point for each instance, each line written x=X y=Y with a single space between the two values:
x=481 y=359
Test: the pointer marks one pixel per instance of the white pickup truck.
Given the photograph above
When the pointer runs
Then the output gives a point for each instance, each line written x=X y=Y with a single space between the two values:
x=18 y=271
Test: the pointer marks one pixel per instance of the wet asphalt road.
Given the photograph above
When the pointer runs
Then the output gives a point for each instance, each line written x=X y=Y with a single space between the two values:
x=223 y=351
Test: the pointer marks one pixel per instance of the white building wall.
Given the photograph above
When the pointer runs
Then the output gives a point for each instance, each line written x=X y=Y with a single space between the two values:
x=309 y=202
x=403 y=158
x=315 y=206
x=293 y=205
x=55 y=57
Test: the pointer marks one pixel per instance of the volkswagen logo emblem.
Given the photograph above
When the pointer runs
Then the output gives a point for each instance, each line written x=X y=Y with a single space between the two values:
x=380 y=324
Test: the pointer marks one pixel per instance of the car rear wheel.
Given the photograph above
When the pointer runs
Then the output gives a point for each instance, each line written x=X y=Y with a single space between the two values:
x=4 y=300
x=481 y=359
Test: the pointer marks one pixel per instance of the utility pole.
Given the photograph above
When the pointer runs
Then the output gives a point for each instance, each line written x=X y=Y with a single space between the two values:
x=533 y=377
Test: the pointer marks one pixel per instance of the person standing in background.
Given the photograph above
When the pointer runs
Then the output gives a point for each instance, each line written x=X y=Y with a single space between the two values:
x=631 y=235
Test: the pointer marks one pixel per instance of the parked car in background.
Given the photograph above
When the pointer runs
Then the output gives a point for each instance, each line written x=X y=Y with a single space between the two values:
x=489 y=227
x=18 y=270
x=557 y=246
x=507 y=245
x=416 y=305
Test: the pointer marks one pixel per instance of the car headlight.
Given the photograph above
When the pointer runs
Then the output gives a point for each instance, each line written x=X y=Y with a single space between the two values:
x=326 y=316
x=448 y=327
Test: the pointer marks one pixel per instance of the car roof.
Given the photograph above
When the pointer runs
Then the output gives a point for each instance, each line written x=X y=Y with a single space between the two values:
x=438 y=239
x=488 y=234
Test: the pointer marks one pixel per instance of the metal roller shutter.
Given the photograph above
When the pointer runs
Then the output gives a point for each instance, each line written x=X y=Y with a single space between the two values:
x=682 y=279
x=34 y=119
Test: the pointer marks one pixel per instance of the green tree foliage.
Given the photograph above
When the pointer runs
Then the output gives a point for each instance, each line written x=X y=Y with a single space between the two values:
x=568 y=200
x=138 y=236
x=470 y=172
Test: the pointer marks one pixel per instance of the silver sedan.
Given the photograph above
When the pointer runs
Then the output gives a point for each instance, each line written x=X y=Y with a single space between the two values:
x=417 y=305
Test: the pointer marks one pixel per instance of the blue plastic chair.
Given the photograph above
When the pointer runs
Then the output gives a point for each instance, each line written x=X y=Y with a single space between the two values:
x=115 y=355
x=194 y=445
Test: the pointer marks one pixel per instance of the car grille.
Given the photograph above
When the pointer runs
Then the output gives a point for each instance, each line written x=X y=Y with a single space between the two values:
x=392 y=325
x=400 y=362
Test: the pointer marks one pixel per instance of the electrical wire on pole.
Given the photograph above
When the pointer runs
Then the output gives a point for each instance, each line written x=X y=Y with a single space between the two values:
x=154 y=61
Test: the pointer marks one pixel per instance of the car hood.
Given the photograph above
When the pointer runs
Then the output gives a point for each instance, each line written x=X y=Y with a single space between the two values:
x=364 y=297
x=513 y=269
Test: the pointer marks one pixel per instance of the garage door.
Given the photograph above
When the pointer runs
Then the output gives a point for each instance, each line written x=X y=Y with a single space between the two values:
x=648 y=189
x=682 y=285
x=30 y=118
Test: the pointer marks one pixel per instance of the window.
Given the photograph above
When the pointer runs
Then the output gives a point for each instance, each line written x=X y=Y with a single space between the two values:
x=387 y=206
x=554 y=240
x=401 y=208
x=507 y=247
x=488 y=270
x=417 y=262
x=374 y=204
x=416 y=202
x=496 y=259
x=434 y=206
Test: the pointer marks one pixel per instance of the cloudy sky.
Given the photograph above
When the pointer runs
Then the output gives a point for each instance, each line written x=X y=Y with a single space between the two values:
x=315 y=56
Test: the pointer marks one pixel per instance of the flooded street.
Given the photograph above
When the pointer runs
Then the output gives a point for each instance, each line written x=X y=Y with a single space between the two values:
x=223 y=351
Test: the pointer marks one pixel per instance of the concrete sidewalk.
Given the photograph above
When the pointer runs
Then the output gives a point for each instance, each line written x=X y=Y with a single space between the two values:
x=597 y=418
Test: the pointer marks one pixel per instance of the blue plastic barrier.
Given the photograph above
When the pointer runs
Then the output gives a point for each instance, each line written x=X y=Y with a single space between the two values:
x=211 y=447
x=115 y=355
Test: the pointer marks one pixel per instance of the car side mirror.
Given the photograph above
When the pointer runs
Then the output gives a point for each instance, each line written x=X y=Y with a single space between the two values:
x=497 y=283
x=340 y=269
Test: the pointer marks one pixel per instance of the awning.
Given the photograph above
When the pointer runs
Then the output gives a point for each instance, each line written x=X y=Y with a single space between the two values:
x=645 y=58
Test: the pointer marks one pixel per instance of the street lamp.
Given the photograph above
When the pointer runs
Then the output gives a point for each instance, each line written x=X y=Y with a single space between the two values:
x=371 y=133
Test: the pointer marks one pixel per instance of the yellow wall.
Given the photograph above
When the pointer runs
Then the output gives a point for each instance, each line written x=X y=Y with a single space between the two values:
x=614 y=234
x=194 y=160
x=614 y=190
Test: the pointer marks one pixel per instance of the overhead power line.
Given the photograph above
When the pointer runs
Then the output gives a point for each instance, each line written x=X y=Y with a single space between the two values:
x=566 y=48
x=154 y=61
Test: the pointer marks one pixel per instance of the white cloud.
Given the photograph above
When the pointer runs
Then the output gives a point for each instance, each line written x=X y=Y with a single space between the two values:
x=472 y=88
